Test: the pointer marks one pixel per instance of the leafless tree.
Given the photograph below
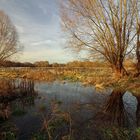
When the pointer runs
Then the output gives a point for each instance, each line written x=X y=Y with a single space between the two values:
x=102 y=27
x=138 y=38
x=9 y=44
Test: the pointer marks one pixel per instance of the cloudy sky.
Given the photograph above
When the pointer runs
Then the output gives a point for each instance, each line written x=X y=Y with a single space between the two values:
x=38 y=25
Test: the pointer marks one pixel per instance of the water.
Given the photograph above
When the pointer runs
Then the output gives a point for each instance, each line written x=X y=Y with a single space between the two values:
x=90 y=110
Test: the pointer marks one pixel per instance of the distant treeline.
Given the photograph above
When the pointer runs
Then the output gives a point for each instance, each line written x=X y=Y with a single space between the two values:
x=128 y=63
x=47 y=64
x=15 y=64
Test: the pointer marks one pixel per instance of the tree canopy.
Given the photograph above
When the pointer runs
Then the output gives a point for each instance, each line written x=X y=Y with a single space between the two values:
x=105 y=28
x=9 y=44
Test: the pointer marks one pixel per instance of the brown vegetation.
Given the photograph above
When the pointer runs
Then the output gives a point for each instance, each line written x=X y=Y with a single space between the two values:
x=98 y=74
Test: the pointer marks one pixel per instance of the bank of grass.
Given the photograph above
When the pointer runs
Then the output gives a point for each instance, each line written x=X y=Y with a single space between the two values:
x=41 y=75
x=98 y=77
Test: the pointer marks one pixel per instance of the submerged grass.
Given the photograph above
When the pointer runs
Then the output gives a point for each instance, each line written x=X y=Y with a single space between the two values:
x=55 y=124
x=40 y=136
x=8 y=131
x=18 y=112
x=114 y=133
x=138 y=133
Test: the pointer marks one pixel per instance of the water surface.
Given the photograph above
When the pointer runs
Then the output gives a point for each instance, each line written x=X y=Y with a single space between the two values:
x=84 y=104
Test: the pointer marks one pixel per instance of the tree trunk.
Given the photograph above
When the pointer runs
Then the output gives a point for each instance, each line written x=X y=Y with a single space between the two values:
x=138 y=57
x=119 y=70
x=138 y=53
x=115 y=107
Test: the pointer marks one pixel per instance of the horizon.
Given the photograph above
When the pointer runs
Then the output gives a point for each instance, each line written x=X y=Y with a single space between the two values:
x=38 y=25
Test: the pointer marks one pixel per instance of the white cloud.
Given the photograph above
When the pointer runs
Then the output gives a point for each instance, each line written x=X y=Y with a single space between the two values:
x=44 y=42
x=38 y=25
x=50 y=54
x=20 y=29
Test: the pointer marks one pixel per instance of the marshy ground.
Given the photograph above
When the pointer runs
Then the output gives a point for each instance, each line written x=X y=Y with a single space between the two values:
x=101 y=77
x=68 y=104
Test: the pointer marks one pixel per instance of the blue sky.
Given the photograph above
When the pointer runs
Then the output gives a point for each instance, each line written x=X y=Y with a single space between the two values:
x=39 y=29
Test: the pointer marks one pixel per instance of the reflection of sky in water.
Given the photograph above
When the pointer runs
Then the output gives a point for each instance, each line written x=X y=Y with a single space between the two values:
x=130 y=105
x=70 y=93
x=74 y=97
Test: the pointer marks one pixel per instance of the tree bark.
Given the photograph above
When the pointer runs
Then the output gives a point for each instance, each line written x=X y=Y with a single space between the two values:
x=119 y=70
x=138 y=57
x=138 y=52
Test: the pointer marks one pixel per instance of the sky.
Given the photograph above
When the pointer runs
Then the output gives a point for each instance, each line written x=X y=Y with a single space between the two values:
x=38 y=25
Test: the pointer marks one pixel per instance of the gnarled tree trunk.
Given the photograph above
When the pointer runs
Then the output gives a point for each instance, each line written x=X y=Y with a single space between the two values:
x=119 y=72
x=138 y=43
x=138 y=56
x=118 y=69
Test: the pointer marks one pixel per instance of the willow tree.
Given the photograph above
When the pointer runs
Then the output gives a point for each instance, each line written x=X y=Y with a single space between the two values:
x=9 y=44
x=101 y=27
x=138 y=38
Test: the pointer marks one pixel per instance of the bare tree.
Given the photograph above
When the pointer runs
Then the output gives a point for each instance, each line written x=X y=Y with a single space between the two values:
x=138 y=49
x=9 y=44
x=103 y=27
x=138 y=38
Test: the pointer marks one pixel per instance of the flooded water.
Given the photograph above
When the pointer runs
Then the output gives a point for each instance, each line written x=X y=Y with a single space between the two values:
x=25 y=104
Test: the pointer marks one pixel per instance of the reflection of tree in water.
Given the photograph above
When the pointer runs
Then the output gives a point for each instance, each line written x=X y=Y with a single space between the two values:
x=11 y=89
x=115 y=108
x=5 y=110
x=19 y=93
x=26 y=86
x=113 y=111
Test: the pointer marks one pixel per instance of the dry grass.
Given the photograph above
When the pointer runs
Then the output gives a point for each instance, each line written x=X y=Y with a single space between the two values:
x=28 y=74
x=100 y=77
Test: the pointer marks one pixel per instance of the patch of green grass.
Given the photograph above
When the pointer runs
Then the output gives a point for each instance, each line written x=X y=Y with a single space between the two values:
x=9 y=136
x=8 y=131
x=18 y=112
x=138 y=130
x=138 y=133
x=40 y=136
x=30 y=100
x=71 y=78
x=56 y=125
x=59 y=102
x=115 y=133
